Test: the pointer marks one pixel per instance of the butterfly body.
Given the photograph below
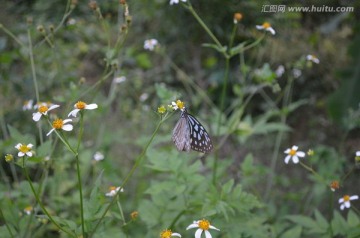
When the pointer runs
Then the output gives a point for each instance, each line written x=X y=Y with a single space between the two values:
x=189 y=134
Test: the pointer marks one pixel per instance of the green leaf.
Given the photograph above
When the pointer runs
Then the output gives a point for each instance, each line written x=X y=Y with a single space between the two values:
x=294 y=232
x=339 y=224
x=352 y=219
x=221 y=49
x=237 y=49
x=321 y=221
x=227 y=187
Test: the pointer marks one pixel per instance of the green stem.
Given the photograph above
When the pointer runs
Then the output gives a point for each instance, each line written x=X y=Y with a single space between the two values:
x=201 y=22
x=11 y=35
x=79 y=173
x=222 y=105
x=42 y=205
x=138 y=161
x=308 y=168
x=33 y=67
x=121 y=210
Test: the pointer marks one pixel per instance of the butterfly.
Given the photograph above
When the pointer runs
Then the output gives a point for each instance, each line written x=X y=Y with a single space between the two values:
x=189 y=134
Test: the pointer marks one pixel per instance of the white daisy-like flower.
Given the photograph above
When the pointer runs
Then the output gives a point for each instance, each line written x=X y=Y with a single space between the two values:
x=168 y=233
x=176 y=1
x=357 y=153
x=98 y=156
x=150 y=44
x=313 y=58
x=345 y=201
x=43 y=110
x=113 y=191
x=293 y=154
x=119 y=80
x=28 y=105
x=28 y=210
x=178 y=105
x=60 y=124
x=266 y=27
x=203 y=226
x=24 y=149
x=82 y=106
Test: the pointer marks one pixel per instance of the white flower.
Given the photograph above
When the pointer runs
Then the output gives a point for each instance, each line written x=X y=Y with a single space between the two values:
x=168 y=233
x=28 y=210
x=81 y=106
x=120 y=79
x=280 y=71
x=98 y=156
x=313 y=58
x=60 y=124
x=293 y=154
x=178 y=105
x=204 y=226
x=150 y=44
x=28 y=105
x=175 y=1
x=113 y=191
x=43 y=109
x=24 y=149
x=143 y=97
x=71 y=21
x=357 y=153
x=267 y=27
x=345 y=201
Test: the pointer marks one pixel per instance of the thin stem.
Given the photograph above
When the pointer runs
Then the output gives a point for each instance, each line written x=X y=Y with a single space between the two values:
x=42 y=205
x=79 y=174
x=201 y=22
x=222 y=104
x=138 y=161
x=33 y=71
x=11 y=35
x=308 y=168
x=121 y=211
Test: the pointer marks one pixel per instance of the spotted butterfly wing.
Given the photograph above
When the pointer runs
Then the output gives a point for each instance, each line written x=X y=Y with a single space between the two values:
x=189 y=133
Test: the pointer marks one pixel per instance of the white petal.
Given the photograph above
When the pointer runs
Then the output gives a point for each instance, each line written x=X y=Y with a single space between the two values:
x=29 y=154
x=295 y=159
x=18 y=146
x=74 y=112
x=287 y=151
x=357 y=153
x=67 y=120
x=91 y=106
x=67 y=127
x=214 y=228
x=300 y=154
x=347 y=204
x=354 y=197
x=30 y=146
x=198 y=233
x=295 y=147
x=259 y=27
x=342 y=206
x=207 y=234
x=194 y=225
x=53 y=107
x=287 y=158
x=21 y=154
x=271 y=30
x=341 y=200
x=50 y=132
x=176 y=234
x=37 y=116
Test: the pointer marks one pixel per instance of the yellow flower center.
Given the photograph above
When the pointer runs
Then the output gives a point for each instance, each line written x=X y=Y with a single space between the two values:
x=292 y=152
x=134 y=215
x=28 y=209
x=24 y=148
x=9 y=157
x=58 y=124
x=204 y=224
x=161 y=110
x=266 y=25
x=80 y=105
x=166 y=234
x=112 y=188
x=346 y=198
x=180 y=104
x=43 y=109
x=238 y=16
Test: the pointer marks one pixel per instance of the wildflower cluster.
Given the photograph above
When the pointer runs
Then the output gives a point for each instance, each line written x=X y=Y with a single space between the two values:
x=202 y=225
x=294 y=155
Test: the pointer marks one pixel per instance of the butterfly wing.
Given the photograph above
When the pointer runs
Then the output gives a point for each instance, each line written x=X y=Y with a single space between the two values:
x=199 y=138
x=181 y=134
